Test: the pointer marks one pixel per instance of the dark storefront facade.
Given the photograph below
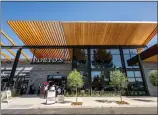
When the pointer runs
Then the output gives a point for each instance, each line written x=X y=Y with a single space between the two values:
x=96 y=64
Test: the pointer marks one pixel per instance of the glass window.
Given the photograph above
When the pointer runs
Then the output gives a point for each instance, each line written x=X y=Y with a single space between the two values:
x=139 y=79
x=116 y=59
x=136 y=65
x=131 y=79
x=79 y=58
x=133 y=51
x=96 y=80
x=126 y=57
x=86 y=80
x=94 y=63
x=125 y=51
x=92 y=51
x=130 y=74
x=137 y=74
x=115 y=51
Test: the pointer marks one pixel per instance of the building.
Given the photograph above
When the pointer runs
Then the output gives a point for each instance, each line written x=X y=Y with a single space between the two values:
x=93 y=48
x=149 y=59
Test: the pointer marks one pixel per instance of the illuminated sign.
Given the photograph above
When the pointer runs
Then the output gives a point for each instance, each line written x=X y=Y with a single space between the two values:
x=47 y=60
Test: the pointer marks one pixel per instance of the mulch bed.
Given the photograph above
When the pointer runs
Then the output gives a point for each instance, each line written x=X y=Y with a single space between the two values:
x=122 y=102
x=76 y=103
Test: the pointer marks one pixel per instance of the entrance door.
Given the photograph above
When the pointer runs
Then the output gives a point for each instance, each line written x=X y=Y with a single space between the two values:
x=57 y=80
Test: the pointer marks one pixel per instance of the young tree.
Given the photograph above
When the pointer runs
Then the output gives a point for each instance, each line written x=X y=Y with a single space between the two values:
x=119 y=80
x=75 y=79
x=153 y=76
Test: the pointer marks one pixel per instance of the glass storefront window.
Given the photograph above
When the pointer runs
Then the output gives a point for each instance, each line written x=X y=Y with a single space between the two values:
x=135 y=81
x=86 y=80
x=125 y=51
x=126 y=57
x=129 y=53
x=96 y=80
x=116 y=60
x=133 y=51
x=131 y=79
x=80 y=58
x=115 y=51
x=139 y=79
x=137 y=74
x=130 y=74
x=106 y=58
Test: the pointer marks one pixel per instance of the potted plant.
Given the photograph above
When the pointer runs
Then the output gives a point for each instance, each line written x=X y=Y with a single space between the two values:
x=76 y=81
x=153 y=76
x=118 y=79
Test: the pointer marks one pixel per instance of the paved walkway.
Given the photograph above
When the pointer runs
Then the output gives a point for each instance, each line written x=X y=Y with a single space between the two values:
x=34 y=102
x=90 y=111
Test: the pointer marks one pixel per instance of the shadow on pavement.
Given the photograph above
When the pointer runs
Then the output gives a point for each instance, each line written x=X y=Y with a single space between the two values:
x=105 y=101
x=144 y=100
x=59 y=102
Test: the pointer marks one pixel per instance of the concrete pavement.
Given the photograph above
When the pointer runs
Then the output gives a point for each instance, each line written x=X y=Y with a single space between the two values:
x=73 y=111
x=34 y=102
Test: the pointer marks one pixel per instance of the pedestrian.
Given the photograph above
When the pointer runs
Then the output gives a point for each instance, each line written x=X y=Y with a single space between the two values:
x=59 y=90
x=45 y=91
x=39 y=89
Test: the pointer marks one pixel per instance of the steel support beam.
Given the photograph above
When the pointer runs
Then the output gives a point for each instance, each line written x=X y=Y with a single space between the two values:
x=123 y=65
x=14 y=67
x=72 y=46
x=89 y=71
x=143 y=75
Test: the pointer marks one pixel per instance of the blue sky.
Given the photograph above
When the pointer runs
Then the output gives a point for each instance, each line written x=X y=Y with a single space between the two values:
x=75 y=11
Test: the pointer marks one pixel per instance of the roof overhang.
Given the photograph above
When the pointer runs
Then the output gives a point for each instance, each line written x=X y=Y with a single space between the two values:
x=82 y=33
x=149 y=55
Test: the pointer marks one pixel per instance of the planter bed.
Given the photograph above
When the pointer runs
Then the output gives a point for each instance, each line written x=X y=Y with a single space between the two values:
x=76 y=103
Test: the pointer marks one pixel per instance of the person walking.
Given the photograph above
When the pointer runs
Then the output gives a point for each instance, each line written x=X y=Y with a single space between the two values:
x=45 y=91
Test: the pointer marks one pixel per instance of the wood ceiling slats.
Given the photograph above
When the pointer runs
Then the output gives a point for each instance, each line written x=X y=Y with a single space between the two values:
x=35 y=36
x=42 y=39
x=6 y=56
x=13 y=43
x=107 y=33
x=49 y=40
x=42 y=33
x=81 y=33
x=56 y=38
x=9 y=50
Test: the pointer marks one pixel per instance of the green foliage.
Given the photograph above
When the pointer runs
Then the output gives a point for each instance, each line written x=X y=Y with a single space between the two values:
x=75 y=79
x=118 y=79
x=153 y=76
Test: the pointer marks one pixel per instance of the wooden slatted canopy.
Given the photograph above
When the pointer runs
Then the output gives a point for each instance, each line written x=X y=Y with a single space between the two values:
x=81 y=33
x=6 y=56
x=13 y=43
x=9 y=50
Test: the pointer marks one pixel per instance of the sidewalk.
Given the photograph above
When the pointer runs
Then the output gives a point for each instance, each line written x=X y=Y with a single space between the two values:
x=34 y=102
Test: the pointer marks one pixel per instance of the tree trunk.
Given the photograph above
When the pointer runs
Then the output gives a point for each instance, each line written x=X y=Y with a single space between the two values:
x=76 y=94
x=121 y=95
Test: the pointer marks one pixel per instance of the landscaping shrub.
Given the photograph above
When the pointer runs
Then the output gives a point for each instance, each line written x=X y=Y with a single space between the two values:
x=153 y=76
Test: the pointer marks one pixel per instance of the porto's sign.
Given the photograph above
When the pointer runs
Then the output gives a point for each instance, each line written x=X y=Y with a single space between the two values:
x=47 y=60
